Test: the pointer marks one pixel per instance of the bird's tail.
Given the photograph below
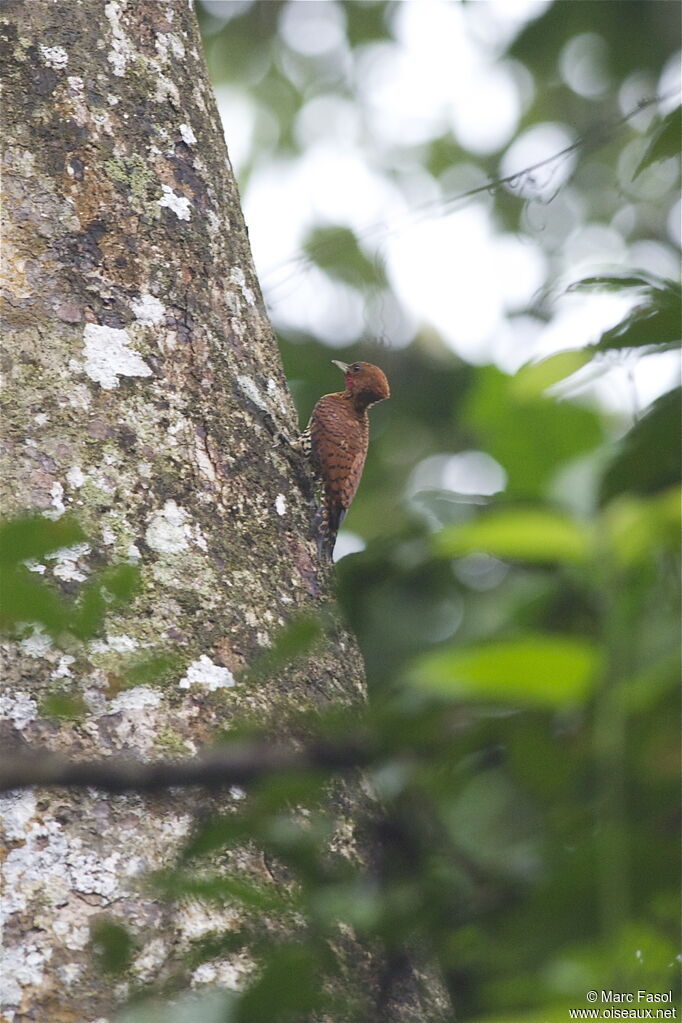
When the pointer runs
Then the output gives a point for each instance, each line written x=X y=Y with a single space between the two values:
x=328 y=519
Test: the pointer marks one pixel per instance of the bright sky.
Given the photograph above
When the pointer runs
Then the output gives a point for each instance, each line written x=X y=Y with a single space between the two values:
x=453 y=271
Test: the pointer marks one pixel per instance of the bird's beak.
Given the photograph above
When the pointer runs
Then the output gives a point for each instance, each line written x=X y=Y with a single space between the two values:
x=343 y=366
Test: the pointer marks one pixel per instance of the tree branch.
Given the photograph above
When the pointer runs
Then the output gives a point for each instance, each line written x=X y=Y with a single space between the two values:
x=238 y=764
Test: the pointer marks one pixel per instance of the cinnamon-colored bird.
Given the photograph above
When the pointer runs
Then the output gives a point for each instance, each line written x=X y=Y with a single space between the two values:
x=336 y=438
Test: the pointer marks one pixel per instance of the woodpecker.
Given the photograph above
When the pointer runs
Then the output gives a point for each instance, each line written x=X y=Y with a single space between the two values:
x=336 y=440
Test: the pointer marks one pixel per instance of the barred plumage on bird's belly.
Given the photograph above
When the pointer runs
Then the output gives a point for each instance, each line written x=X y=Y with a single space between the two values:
x=336 y=440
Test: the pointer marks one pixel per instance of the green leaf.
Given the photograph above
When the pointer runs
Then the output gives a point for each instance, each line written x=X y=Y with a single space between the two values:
x=543 y=670
x=293 y=640
x=366 y=23
x=554 y=1013
x=530 y=436
x=230 y=889
x=532 y=534
x=654 y=322
x=336 y=251
x=211 y=1007
x=89 y=615
x=535 y=377
x=24 y=597
x=113 y=945
x=152 y=670
x=288 y=987
x=121 y=582
x=637 y=527
x=665 y=143
x=34 y=536
x=218 y=832
x=108 y=589
x=357 y=902
x=62 y=704
x=650 y=454
x=618 y=281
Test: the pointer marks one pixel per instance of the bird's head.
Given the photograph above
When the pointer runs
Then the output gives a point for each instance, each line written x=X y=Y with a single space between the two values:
x=365 y=383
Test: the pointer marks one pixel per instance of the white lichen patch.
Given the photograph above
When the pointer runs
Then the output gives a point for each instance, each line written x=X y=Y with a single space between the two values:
x=275 y=392
x=139 y=698
x=237 y=277
x=148 y=309
x=67 y=560
x=178 y=426
x=75 y=477
x=166 y=89
x=34 y=566
x=79 y=396
x=59 y=881
x=199 y=539
x=108 y=536
x=169 y=44
x=281 y=504
x=57 y=500
x=196 y=920
x=147 y=964
x=63 y=669
x=229 y=975
x=93 y=698
x=121 y=50
x=122 y=644
x=100 y=481
x=207 y=674
x=17 y=809
x=54 y=56
x=92 y=873
x=215 y=224
x=177 y=203
x=68 y=974
x=168 y=531
x=108 y=356
x=72 y=934
x=250 y=389
x=38 y=644
x=188 y=136
x=48 y=867
x=22 y=966
x=203 y=460
x=19 y=708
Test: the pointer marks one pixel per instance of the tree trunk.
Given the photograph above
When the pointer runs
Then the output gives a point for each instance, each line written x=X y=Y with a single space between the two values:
x=144 y=389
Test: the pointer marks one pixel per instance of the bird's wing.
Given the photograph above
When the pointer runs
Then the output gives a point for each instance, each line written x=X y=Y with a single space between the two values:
x=338 y=447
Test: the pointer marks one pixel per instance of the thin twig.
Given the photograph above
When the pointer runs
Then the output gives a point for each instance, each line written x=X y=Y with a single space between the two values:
x=592 y=139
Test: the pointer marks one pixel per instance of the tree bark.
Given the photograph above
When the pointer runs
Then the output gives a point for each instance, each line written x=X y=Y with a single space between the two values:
x=144 y=390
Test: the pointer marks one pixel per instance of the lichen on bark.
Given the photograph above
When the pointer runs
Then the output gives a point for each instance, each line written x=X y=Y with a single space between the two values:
x=143 y=389
x=143 y=393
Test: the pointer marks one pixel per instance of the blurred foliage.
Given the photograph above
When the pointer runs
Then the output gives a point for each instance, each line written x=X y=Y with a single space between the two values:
x=112 y=945
x=522 y=649
x=27 y=600
x=653 y=323
x=38 y=601
x=665 y=143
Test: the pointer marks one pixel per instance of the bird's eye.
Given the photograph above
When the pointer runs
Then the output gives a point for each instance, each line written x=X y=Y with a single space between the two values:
x=356 y=367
